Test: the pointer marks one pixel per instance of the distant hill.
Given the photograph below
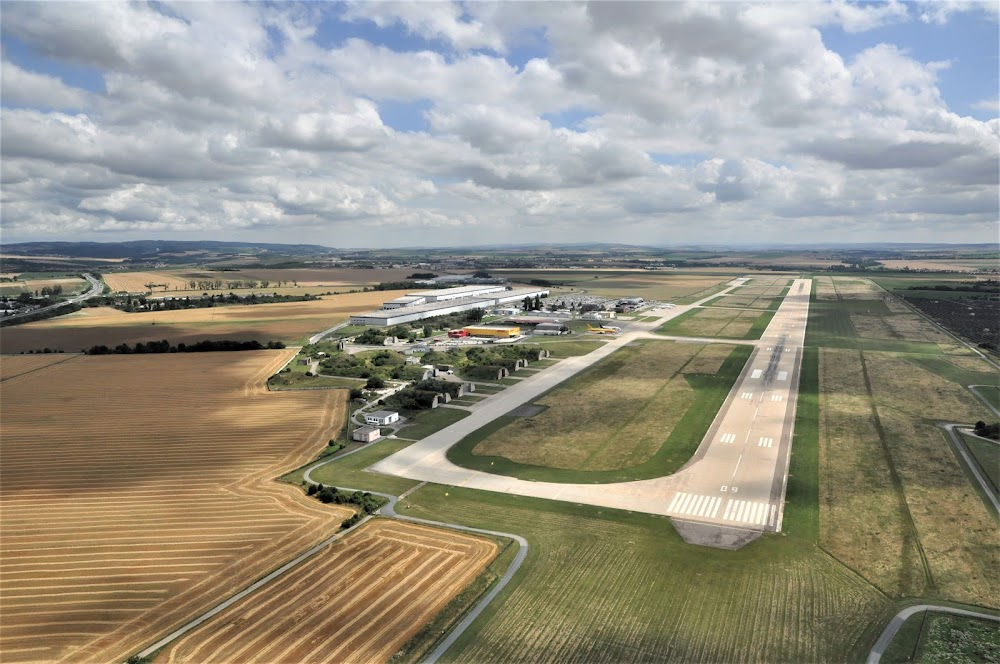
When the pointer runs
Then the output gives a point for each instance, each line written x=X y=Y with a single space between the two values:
x=148 y=249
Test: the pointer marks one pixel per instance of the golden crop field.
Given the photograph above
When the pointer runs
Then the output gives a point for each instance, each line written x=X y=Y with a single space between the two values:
x=304 y=276
x=68 y=284
x=138 y=282
x=137 y=491
x=16 y=365
x=359 y=600
x=282 y=321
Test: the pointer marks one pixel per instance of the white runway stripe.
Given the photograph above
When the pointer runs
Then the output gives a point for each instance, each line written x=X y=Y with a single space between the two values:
x=747 y=395
x=689 y=504
x=749 y=512
x=765 y=442
x=782 y=375
x=728 y=438
x=757 y=373
x=775 y=397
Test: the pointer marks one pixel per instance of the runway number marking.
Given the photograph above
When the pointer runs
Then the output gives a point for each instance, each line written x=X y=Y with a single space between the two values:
x=728 y=438
x=765 y=442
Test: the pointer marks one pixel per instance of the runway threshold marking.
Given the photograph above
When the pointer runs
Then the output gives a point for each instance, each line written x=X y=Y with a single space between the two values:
x=689 y=504
x=750 y=512
x=765 y=442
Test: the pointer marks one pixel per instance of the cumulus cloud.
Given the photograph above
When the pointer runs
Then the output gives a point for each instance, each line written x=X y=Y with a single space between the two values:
x=637 y=121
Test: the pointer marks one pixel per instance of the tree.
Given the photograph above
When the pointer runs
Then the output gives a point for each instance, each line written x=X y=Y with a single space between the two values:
x=482 y=274
x=526 y=305
x=428 y=331
x=538 y=303
x=356 y=393
x=375 y=383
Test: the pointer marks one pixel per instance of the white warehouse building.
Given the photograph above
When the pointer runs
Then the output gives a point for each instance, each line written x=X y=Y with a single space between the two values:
x=395 y=312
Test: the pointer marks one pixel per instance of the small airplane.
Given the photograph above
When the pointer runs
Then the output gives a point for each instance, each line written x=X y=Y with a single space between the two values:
x=603 y=330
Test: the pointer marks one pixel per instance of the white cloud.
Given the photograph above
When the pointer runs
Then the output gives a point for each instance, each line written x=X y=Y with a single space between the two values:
x=642 y=122
x=28 y=88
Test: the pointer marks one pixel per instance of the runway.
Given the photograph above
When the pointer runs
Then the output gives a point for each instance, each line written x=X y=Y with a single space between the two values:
x=736 y=478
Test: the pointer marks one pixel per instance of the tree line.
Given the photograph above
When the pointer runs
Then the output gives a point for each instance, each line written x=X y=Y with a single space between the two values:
x=164 y=346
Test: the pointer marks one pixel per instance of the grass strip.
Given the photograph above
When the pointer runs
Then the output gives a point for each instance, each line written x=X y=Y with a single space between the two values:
x=801 y=517
x=676 y=450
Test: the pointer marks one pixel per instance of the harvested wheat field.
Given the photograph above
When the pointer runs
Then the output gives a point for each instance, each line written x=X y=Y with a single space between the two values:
x=283 y=321
x=139 y=282
x=137 y=491
x=16 y=365
x=357 y=601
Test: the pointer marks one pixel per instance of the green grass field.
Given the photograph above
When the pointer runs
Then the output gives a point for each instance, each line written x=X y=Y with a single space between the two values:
x=718 y=323
x=427 y=422
x=940 y=637
x=801 y=516
x=989 y=392
x=349 y=471
x=663 y=456
x=830 y=327
x=988 y=457
x=608 y=586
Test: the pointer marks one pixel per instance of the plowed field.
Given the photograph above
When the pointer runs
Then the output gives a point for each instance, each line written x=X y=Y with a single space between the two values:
x=285 y=321
x=137 y=491
x=357 y=601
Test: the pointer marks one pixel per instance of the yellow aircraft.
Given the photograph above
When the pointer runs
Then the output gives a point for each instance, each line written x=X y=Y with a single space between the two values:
x=603 y=330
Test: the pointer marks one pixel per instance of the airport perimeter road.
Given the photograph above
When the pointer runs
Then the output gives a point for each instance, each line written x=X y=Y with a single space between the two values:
x=737 y=477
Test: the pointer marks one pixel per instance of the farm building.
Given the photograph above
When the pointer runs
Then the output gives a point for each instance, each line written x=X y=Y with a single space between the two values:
x=493 y=331
x=381 y=417
x=366 y=434
x=549 y=329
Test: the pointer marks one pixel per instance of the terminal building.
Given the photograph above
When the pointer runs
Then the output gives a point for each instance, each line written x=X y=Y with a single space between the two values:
x=428 y=304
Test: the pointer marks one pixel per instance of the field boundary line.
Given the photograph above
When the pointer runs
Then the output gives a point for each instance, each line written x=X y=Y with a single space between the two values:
x=884 y=639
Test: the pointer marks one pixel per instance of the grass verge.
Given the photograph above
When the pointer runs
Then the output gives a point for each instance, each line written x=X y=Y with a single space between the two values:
x=801 y=516
x=674 y=452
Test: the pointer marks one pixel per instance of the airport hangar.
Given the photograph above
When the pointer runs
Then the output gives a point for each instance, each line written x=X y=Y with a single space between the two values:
x=428 y=304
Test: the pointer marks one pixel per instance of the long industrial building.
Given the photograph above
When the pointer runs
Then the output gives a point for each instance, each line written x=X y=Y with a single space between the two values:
x=418 y=306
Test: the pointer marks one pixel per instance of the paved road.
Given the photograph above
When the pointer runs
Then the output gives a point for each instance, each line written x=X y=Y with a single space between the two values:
x=96 y=288
x=963 y=450
x=316 y=337
x=737 y=477
x=890 y=631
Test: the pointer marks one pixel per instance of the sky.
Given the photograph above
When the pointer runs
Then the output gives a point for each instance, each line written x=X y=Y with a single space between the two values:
x=394 y=124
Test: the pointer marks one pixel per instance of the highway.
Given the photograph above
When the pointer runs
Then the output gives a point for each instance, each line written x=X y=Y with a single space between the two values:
x=96 y=288
x=737 y=476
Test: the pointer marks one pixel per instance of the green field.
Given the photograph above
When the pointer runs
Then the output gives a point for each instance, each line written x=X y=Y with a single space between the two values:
x=830 y=327
x=640 y=393
x=801 y=516
x=940 y=637
x=348 y=471
x=718 y=323
x=431 y=421
x=989 y=392
x=608 y=586
x=988 y=457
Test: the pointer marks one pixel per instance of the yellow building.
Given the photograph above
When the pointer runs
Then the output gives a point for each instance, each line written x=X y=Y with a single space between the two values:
x=495 y=332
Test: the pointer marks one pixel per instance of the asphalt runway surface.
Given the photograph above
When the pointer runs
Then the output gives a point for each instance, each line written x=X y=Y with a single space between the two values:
x=737 y=477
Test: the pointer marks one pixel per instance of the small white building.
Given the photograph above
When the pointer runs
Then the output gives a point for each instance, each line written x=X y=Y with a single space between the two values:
x=381 y=417
x=366 y=434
